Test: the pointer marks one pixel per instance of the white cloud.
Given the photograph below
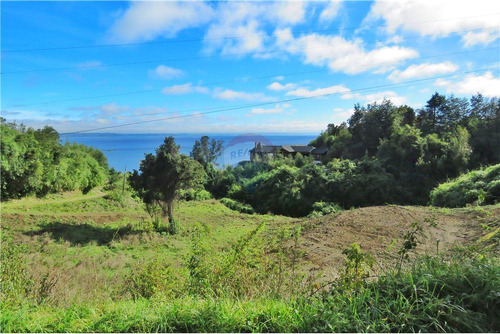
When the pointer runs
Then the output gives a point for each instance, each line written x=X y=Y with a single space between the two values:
x=28 y=115
x=485 y=84
x=396 y=39
x=331 y=11
x=422 y=71
x=343 y=55
x=376 y=97
x=480 y=37
x=186 y=88
x=277 y=86
x=113 y=108
x=116 y=111
x=249 y=19
x=91 y=64
x=341 y=114
x=279 y=108
x=146 y=20
x=228 y=94
x=304 y=92
x=286 y=12
x=102 y=121
x=165 y=72
x=440 y=18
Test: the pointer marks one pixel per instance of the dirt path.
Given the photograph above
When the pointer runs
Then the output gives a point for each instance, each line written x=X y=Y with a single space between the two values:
x=376 y=228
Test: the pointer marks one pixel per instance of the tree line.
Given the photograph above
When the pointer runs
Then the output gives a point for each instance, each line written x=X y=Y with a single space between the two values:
x=383 y=154
x=35 y=162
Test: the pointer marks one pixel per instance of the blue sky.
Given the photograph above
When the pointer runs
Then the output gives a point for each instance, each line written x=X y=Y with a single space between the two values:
x=214 y=55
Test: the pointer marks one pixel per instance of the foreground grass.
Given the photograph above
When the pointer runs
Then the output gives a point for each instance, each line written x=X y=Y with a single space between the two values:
x=461 y=295
x=77 y=264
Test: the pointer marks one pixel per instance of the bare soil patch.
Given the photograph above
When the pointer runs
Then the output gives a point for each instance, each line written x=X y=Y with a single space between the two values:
x=376 y=228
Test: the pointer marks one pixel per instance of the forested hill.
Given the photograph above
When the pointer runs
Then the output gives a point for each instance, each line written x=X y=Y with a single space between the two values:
x=35 y=162
x=383 y=154
x=465 y=132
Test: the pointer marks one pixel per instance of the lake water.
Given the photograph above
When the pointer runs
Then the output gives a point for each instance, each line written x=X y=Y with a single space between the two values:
x=127 y=150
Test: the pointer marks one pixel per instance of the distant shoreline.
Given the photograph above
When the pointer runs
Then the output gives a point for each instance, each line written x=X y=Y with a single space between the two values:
x=126 y=150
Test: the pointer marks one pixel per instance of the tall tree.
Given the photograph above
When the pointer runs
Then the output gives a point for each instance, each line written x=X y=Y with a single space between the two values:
x=207 y=151
x=428 y=116
x=162 y=176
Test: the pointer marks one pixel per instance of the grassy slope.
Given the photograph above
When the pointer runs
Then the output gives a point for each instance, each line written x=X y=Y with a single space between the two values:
x=89 y=244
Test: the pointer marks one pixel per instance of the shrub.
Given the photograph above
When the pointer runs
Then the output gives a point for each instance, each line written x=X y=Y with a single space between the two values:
x=115 y=195
x=324 y=208
x=237 y=206
x=35 y=162
x=195 y=195
x=150 y=278
x=480 y=186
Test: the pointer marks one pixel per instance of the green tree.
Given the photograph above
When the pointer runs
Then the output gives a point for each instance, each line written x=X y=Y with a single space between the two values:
x=207 y=151
x=483 y=124
x=35 y=162
x=163 y=175
x=427 y=117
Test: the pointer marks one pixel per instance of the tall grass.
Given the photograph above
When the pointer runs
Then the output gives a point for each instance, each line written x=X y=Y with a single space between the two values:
x=436 y=294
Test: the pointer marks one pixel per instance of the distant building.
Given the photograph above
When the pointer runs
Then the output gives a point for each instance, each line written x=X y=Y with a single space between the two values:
x=259 y=152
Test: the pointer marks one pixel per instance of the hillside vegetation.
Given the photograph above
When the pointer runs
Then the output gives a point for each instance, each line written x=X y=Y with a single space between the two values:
x=480 y=186
x=77 y=262
x=34 y=162
x=383 y=154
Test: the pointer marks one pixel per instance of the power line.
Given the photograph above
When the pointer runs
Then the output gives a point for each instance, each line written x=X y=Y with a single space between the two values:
x=274 y=102
x=84 y=67
x=159 y=90
x=233 y=37
x=224 y=82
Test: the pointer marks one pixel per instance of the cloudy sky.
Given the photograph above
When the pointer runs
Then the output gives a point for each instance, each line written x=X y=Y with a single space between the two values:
x=237 y=66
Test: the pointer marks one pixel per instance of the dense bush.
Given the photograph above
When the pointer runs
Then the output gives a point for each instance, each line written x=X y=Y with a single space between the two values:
x=237 y=206
x=324 y=208
x=35 y=162
x=194 y=195
x=480 y=186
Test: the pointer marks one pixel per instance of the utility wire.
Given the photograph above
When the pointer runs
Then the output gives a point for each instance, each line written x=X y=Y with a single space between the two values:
x=225 y=82
x=232 y=37
x=159 y=90
x=84 y=67
x=274 y=102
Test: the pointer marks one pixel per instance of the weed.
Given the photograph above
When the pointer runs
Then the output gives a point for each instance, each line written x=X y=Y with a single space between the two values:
x=150 y=278
x=15 y=280
x=198 y=280
x=410 y=243
x=357 y=268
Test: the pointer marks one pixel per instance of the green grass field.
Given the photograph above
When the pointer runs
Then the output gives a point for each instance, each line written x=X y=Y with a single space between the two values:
x=73 y=262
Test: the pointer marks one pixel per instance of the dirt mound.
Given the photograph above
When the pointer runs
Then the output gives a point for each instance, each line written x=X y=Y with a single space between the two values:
x=376 y=228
